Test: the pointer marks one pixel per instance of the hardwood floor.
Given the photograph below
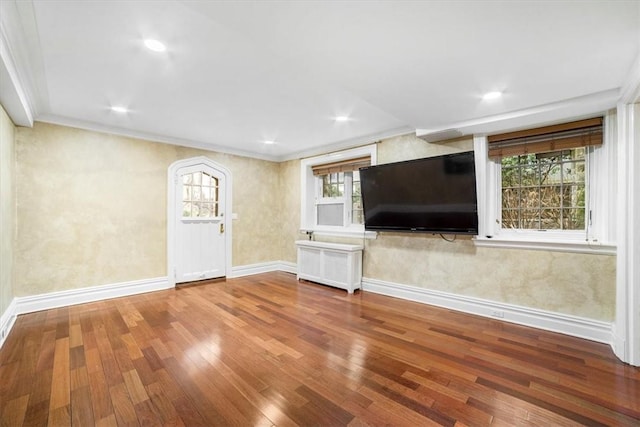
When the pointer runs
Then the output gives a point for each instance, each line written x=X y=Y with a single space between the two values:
x=266 y=350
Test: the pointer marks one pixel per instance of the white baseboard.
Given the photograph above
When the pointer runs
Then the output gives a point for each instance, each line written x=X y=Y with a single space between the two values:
x=7 y=320
x=288 y=267
x=590 y=329
x=262 y=267
x=83 y=295
x=594 y=330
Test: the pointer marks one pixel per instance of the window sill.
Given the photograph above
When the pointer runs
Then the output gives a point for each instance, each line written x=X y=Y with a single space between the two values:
x=356 y=234
x=575 y=246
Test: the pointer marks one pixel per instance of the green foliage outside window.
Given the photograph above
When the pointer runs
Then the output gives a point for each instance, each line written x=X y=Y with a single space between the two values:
x=333 y=185
x=357 y=214
x=544 y=191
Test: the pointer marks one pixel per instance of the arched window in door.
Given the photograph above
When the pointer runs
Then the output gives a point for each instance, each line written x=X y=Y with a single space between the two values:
x=199 y=195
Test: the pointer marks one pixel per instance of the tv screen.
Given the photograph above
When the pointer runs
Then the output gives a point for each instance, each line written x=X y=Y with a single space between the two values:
x=435 y=194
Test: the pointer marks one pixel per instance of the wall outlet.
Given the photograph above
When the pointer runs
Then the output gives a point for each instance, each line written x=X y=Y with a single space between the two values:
x=497 y=313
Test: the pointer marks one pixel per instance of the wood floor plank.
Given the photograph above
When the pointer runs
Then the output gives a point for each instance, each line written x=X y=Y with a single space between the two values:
x=109 y=421
x=79 y=378
x=14 y=411
x=147 y=414
x=60 y=386
x=621 y=414
x=37 y=414
x=59 y=417
x=401 y=409
x=123 y=406
x=162 y=405
x=81 y=409
x=137 y=392
x=100 y=397
x=269 y=350
x=108 y=360
x=47 y=349
x=188 y=412
x=272 y=412
x=193 y=388
x=75 y=335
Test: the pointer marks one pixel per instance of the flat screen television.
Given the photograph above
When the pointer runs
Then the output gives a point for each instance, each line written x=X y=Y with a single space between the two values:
x=431 y=195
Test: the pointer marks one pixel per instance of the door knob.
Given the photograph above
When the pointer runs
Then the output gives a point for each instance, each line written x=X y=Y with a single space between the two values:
x=221 y=227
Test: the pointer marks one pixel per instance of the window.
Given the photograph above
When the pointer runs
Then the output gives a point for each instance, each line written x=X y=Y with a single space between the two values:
x=331 y=198
x=548 y=187
x=199 y=195
x=356 y=199
x=333 y=185
x=339 y=202
x=544 y=191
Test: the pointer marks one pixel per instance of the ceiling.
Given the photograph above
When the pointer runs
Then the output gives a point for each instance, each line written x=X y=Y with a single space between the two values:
x=238 y=73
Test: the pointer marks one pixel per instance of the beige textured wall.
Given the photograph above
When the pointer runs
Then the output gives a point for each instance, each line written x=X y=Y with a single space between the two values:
x=7 y=209
x=575 y=284
x=408 y=147
x=92 y=211
x=290 y=209
x=92 y=208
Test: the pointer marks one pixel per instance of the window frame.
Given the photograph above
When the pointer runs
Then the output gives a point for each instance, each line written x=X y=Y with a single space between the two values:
x=599 y=234
x=311 y=194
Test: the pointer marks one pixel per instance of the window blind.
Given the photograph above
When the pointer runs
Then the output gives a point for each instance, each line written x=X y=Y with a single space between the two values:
x=349 y=165
x=581 y=133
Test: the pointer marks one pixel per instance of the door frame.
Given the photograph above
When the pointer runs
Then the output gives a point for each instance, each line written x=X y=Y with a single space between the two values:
x=172 y=177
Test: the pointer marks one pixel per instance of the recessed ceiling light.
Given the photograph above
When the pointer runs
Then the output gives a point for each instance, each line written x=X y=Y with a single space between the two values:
x=269 y=142
x=155 y=45
x=119 y=109
x=491 y=95
x=342 y=119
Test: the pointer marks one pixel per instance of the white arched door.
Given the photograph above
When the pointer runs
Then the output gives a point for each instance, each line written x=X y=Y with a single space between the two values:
x=198 y=216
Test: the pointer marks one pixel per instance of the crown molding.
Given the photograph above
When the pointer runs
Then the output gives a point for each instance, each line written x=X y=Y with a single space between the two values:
x=347 y=143
x=146 y=136
x=630 y=93
x=13 y=95
x=96 y=127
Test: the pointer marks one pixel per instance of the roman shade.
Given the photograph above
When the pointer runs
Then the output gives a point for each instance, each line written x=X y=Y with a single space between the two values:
x=349 y=165
x=565 y=136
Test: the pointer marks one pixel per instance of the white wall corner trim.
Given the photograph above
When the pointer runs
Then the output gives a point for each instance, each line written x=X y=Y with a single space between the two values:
x=12 y=94
x=262 y=267
x=627 y=326
x=580 y=327
x=7 y=320
x=30 y=304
